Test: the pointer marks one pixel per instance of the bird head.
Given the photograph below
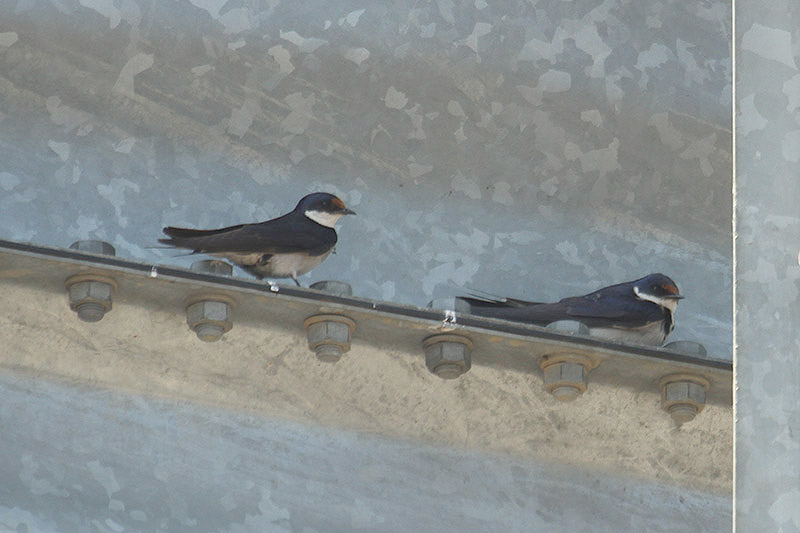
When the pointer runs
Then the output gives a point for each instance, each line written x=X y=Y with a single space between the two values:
x=659 y=289
x=323 y=208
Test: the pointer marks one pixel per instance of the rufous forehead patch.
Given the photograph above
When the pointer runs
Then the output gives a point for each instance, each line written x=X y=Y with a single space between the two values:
x=672 y=289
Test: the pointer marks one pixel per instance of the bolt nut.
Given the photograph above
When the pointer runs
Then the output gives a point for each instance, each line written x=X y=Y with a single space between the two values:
x=94 y=247
x=687 y=347
x=337 y=288
x=212 y=266
x=329 y=336
x=683 y=396
x=450 y=303
x=90 y=295
x=447 y=356
x=565 y=374
x=210 y=316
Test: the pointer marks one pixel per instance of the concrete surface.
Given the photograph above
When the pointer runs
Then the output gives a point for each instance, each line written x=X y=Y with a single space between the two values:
x=133 y=424
x=381 y=386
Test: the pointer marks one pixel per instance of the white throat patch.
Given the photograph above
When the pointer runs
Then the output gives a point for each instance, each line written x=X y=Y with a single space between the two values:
x=321 y=217
x=669 y=303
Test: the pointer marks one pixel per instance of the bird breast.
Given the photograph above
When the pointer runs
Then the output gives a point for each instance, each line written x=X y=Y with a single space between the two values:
x=284 y=265
x=651 y=334
x=278 y=265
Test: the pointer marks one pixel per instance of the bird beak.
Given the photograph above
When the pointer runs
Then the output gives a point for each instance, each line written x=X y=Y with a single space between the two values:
x=675 y=297
x=347 y=211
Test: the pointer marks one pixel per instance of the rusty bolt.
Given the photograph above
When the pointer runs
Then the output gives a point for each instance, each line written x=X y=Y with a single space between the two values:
x=450 y=304
x=329 y=336
x=94 y=247
x=447 y=355
x=90 y=295
x=564 y=380
x=565 y=375
x=337 y=288
x=212 y=266
x=683 y=396
x=687 y=347
x=210 y=316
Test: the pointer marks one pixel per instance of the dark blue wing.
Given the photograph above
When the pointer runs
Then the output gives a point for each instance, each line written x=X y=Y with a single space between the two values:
x=286 y=234
x=613 y=306
x=612 y=311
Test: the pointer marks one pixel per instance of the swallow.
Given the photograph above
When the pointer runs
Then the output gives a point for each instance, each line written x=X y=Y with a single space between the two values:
x=284 y=247
x=636 y=312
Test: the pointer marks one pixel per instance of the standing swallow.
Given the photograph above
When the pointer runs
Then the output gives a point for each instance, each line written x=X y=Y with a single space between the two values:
x=635 y=312
x=284 y=247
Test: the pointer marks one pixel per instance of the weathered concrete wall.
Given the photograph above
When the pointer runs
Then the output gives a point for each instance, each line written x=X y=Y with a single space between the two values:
x=382 y=386
x=767 y=271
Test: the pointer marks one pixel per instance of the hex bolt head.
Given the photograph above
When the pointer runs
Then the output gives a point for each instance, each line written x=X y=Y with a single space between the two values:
x=210 y=316
x=94 y=247
x=329 y=336
x=447 y=355
x=565 y=374
x=565 y=378
x=565 y=381
x=450 y=303
x=687 y=347
x=332 y=286
x=90 y=295
x=212 y=266
x=683 y=396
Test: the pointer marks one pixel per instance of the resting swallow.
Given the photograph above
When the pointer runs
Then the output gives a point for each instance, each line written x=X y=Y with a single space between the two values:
x=636 y=312
x=284 y=247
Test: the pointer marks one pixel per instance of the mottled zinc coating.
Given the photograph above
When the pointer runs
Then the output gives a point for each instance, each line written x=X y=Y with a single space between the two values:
x=537 y=149
x=767 y=270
